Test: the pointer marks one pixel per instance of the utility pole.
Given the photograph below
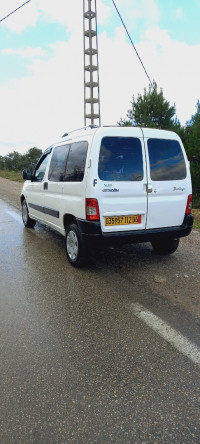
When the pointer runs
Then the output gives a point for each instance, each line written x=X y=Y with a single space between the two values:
x=91 y=64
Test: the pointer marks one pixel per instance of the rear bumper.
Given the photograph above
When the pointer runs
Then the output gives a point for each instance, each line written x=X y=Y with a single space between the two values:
x=92 y=233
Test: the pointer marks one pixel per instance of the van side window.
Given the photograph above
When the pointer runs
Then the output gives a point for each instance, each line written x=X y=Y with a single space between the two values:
x=58 y=163
x=120 y=159
x=166 y=160
x=41 y=168
x=75 y=168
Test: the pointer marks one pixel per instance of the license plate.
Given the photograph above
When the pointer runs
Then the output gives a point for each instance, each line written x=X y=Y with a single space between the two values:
x=123 y=220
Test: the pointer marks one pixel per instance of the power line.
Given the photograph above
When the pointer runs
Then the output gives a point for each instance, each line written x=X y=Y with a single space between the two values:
x=132 y=42
x=19 y=7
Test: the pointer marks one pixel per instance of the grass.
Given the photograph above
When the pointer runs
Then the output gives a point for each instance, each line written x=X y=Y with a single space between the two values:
x=196 y=218
x=11 y=175
x=17 y=176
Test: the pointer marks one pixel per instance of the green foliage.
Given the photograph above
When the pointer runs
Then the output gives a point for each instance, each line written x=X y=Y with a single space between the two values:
x=196 y=214
x=151 y=110
x=192 y=136
x=192 y=145
x=17 y=162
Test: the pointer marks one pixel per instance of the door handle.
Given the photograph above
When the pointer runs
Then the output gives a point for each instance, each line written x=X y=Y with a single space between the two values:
x=149 y=188
x=45 y=185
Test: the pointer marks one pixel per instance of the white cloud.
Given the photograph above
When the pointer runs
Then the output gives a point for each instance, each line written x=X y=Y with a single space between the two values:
x=39 y=108
x=104 y=13
x=175 y=67
x=121 y=76
x=65 y=12
x=21 y=19
x=27 y=52
x=70 y=12
x=134 y=10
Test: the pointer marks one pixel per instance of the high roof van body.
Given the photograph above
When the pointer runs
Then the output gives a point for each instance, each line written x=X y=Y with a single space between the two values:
x=111 y=185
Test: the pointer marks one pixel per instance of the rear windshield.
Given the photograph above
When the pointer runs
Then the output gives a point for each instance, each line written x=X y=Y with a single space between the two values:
x=120 y=159
x=166 y=160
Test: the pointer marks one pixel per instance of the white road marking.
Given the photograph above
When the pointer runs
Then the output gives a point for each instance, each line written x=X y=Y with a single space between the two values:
x=15 y=216
x=180 y=342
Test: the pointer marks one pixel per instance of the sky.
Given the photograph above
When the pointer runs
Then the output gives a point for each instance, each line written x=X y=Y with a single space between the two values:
x=42 y=64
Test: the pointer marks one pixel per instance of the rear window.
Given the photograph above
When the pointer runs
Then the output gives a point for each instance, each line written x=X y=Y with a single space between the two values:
x=75 y=168
x=120 y=159
x=166 y=160
x=68 y=163
x=58 y=163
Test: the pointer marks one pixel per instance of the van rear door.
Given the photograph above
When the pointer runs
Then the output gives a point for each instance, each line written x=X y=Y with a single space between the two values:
x=122 y=179
x=168 y=180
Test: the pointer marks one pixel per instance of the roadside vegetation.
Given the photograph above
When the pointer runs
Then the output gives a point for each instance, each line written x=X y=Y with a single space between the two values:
x=196 y=218
x=14 y=162
x=11 y=175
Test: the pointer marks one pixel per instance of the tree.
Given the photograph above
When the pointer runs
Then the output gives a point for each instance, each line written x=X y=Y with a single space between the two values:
x=31 y=157
x=13 y=161
x=17 y=162
x=152 y=110
x=192 y=144
x=192 y=136
x=2 y=162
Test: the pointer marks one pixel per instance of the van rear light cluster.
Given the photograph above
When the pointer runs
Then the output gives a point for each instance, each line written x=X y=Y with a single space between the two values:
x=189 y=205
x=92 y=209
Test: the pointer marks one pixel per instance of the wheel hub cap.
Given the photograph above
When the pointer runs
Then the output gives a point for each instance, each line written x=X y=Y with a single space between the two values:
x=25 y=213
x=72 y=245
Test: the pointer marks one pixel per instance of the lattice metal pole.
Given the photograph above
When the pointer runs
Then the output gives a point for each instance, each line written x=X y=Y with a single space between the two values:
x=91 y=64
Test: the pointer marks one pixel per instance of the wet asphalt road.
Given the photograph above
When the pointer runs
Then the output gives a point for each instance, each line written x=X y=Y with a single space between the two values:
x=76 y=364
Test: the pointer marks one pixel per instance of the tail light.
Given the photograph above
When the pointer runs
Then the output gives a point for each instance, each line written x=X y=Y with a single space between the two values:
x=92 y=209
x=189 y=205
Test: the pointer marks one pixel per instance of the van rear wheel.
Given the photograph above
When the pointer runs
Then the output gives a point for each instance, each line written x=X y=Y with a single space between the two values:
x=167 y=246
x=74 y=246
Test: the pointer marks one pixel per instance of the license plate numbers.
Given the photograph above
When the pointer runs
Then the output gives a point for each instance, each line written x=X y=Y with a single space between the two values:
x=123 y=220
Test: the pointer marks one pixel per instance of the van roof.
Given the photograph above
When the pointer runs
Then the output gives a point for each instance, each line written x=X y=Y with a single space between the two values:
x=105 y=129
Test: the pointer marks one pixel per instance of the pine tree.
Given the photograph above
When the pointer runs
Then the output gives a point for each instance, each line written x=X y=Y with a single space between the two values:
x=151 y=110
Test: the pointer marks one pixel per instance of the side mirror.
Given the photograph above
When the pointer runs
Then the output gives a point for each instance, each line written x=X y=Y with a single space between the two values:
x=27 y=174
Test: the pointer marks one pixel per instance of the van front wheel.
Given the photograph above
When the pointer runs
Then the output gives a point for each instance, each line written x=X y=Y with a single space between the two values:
x=168 y=246
x=74 y=246
x=27 y=221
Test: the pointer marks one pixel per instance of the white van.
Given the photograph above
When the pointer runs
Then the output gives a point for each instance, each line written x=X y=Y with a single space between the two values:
x=103 y=185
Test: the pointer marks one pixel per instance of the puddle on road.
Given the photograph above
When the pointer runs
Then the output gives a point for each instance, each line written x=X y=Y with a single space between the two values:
x=15 y=216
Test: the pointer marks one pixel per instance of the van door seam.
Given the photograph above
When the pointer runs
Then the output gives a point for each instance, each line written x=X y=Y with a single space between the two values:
x=145 y=154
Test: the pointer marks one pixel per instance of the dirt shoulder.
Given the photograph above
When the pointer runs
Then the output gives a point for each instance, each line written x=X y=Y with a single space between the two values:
x=10 y=191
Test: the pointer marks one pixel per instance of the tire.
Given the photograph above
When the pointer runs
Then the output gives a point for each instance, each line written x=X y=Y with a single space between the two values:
x=165 y=247
x=27 y=221
x=74 y=246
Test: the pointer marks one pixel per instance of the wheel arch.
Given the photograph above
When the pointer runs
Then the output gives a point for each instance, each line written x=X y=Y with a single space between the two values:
x=22 y=197
x=69 y=219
